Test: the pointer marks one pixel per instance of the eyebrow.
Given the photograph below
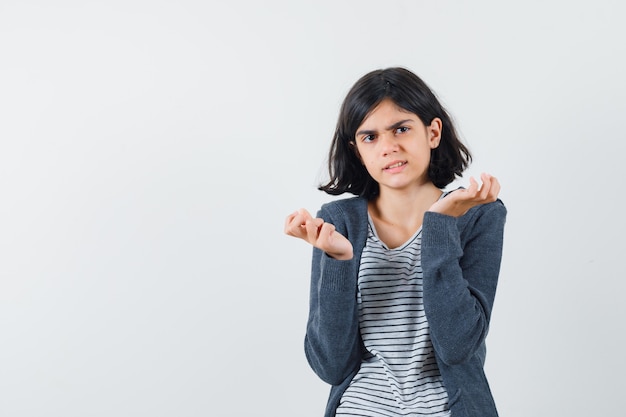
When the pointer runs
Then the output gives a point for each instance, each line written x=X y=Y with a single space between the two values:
x=392 y=127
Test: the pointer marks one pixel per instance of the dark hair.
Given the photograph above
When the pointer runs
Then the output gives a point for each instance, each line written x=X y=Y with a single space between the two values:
x=409 y=92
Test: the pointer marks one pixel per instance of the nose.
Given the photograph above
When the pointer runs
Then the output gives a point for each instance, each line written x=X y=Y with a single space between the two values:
x=388 y=144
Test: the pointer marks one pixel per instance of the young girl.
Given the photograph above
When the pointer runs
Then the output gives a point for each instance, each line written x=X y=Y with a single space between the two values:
x=403 y=275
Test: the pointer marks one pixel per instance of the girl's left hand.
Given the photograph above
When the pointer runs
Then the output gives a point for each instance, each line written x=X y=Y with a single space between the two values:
x=460 y=201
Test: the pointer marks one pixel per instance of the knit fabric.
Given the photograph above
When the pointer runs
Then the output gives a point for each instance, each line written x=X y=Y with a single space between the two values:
x=461 y=262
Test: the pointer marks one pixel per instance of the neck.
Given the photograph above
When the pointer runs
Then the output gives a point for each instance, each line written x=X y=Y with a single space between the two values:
x=405 y=207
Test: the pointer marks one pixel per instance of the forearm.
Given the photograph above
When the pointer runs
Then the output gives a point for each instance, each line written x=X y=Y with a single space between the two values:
x=460 y=279
x=332 y=344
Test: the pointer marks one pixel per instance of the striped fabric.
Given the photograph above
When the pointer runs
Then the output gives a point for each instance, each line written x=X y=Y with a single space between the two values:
x=399 y=375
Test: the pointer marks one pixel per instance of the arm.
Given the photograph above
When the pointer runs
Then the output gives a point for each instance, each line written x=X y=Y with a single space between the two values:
x=332 y=342
x=460 y=277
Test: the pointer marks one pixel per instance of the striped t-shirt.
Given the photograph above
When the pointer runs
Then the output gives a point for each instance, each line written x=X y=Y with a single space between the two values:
x=399 y=375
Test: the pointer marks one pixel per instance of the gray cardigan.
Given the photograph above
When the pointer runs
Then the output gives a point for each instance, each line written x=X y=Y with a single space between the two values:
x=461 y=262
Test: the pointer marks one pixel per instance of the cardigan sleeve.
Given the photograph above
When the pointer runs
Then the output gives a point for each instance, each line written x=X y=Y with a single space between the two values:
x=461 y=262
x=332 y=342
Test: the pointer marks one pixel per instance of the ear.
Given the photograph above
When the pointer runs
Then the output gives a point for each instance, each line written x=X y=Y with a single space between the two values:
x=434 y=132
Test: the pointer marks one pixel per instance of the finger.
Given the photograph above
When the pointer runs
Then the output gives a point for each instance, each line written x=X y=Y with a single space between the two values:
x=495 y=189
x=327 y=230
x=325 y=234
x=312 y=228
x=288 y=221
x=302 y=215
x=473 y=187
x=485 y=188
x=317 y=221
x=295 y=222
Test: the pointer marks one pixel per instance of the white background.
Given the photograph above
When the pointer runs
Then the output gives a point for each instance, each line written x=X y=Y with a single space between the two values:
x=150 y=151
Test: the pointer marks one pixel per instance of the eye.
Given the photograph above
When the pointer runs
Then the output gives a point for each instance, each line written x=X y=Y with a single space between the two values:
x=368 y=138
x=402 y=129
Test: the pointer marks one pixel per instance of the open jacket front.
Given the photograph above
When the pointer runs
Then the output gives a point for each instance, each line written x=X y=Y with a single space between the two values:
x=460 y=261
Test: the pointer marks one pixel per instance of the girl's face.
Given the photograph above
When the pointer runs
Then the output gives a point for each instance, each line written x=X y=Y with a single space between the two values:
x=394 y=145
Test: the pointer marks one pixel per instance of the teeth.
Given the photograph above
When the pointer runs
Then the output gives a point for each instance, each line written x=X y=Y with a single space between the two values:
x=395 y=165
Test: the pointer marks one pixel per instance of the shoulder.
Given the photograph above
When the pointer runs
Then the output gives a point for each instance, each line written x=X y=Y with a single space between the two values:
x=348 y=215
x=345 y=207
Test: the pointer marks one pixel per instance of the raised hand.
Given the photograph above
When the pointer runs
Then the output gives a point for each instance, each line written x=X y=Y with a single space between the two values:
x=318 y=233
x=460 y=201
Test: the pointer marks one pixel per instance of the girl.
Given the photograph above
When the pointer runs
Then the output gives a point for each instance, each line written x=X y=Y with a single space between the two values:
x=403 y=275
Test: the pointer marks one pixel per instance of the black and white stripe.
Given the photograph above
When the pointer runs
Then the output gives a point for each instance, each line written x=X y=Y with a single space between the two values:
x=399 y=376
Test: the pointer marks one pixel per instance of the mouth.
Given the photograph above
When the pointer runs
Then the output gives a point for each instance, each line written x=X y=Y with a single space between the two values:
x=395 y=165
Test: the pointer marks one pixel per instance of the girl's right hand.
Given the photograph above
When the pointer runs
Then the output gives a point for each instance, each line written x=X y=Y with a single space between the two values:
x=318 y=233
